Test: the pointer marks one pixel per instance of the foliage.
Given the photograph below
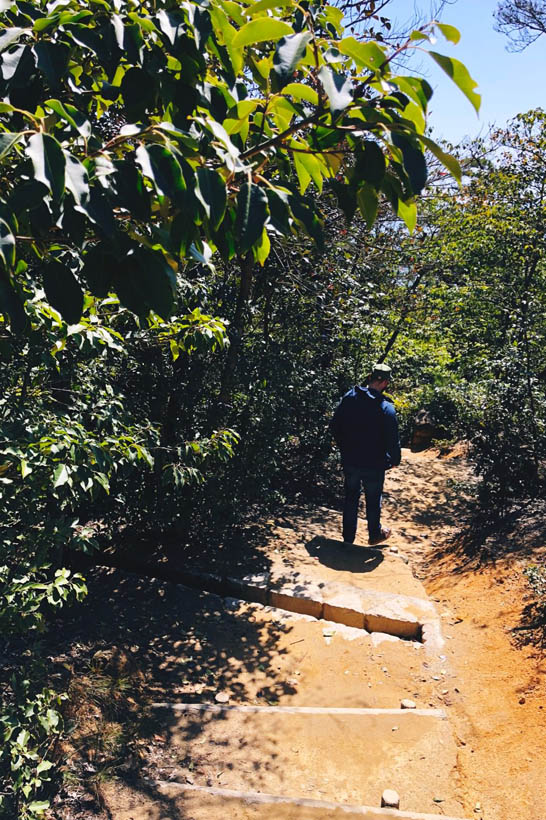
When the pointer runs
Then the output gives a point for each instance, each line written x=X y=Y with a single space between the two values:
x=524 y=21
x=30 y=722
x=199 y=157
x=159 y=160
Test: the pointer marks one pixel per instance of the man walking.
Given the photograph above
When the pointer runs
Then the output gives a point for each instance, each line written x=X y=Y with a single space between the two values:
x=365 y=428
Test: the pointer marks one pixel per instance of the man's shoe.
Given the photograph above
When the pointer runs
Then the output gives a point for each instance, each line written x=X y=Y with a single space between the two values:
x=384 y=534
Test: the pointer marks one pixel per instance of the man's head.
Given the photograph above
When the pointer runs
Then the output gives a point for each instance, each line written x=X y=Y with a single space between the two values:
x=380 y=377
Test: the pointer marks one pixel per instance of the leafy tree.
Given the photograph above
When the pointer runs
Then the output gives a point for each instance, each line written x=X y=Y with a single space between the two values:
x=524 y=21
x=157 y=159
x=484 y=253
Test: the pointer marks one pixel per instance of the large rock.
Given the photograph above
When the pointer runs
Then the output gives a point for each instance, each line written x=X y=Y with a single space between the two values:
x=424 y=430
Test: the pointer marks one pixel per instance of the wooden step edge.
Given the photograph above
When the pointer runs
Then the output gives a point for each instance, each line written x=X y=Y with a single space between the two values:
x=261 y=798
x=298 y=710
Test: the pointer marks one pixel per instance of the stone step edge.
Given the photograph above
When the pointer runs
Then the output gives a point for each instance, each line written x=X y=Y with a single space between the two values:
x=427 y=632
x=340 y=607
x=368 y=812
x=298 y=710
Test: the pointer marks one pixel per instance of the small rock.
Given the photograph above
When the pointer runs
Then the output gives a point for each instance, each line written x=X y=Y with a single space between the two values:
x=438 y=799
x=521 y=700
x=407 y=704
x=394 y=729
x=393 y=549
x=390 y=799
x=221 y=697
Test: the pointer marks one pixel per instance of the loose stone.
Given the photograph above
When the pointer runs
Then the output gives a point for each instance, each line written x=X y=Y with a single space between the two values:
x=390 y=799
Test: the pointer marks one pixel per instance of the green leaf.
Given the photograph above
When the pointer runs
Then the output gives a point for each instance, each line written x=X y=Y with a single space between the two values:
x=265 y=5
x=288 y=53
x=261 y=30
x=38 y=806
x=368 y=202
x=370 y=163
x=301 y=92
x=447 y=160
x=7 y=141
x=159 y=164
x=408 y=212
x=49 y=162
x=307 y=167
x=98 y=270
x=211 y=192
x=418 y=36
x=60 y=476
x=337 y=88
x=346 y=198
x=63 y=291
x=71 y=115
x=171 y=24
x=144 y=282
x=367 y=54
x=25 y=469
x=252 y=212
x=76 y=179
x=263 y=248
x=12 y=59
x=305 y=214
x=450 y=32
x=11 y=304
x=279 y=210
x=9 y=36
x=414 y=162
x=460 y=76
x=52 y=60
x=7 y=245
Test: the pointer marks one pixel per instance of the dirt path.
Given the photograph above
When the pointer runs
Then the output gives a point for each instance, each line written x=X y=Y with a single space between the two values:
x=190 y=648
x=500 y=709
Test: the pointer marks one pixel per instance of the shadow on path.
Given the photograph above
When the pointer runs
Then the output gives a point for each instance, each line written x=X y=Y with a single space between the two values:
x=342 y=556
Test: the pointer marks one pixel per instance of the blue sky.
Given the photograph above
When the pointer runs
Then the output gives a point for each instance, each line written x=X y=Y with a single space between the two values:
x=508 y=82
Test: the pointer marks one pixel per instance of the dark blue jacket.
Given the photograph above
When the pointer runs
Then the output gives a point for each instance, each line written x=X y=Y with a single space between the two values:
x=365 y=428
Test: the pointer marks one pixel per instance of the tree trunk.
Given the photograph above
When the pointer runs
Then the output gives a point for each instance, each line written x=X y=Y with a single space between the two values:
x=237 y=329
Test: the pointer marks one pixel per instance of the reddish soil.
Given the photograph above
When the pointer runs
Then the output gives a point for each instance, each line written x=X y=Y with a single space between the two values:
x=500 y=714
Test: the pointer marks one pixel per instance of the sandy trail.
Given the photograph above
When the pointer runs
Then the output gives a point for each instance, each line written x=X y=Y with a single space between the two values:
x=194 y=647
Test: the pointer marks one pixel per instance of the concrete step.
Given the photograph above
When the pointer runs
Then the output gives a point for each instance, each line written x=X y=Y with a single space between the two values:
x=282 y=658
x=338 y=755
x=404 y=616
x=181 y=801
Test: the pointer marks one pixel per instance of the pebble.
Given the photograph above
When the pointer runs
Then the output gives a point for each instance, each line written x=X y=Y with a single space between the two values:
x=407 y=704
x=221 y=697
x=390 y=799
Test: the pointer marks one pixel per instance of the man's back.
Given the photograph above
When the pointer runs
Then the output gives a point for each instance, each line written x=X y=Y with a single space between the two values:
x=365 y=428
